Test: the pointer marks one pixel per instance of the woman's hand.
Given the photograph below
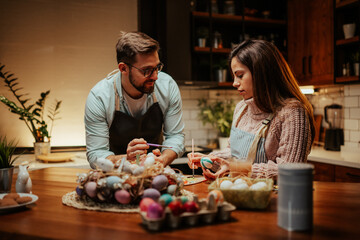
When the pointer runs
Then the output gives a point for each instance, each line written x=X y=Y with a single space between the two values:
x=194 y=163
x=224 y=168
x=194 y=160
x=135 y=147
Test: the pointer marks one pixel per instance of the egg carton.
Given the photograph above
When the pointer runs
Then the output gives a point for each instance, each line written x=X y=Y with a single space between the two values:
x=208 y=214
x=246 y=198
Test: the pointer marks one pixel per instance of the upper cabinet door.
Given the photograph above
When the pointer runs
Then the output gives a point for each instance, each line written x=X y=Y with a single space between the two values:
x=311 y=41
x=297 y=50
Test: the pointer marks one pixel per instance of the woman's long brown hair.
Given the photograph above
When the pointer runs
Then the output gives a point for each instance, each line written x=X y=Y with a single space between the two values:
x=273 y=80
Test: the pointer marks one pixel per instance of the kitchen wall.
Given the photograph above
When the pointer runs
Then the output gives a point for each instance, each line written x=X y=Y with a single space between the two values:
x=66 y=46
x=349 y=97
x=194 y=128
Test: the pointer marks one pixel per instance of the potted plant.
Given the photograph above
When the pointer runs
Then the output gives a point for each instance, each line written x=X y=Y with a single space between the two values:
x=219 y=114
x=7 y=149
x=221 y=70
x=202 y=34
x=33 y=114
x=356 y=62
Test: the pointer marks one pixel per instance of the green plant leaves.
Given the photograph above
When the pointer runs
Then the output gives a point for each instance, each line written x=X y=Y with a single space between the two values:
x=7 y=149
x=33 y=114
x=218 y=114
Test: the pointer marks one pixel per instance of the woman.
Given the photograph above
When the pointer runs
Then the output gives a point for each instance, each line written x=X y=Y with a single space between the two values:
x=273 y=124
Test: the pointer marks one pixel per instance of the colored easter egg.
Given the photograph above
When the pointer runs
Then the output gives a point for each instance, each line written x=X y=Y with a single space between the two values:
x=226 y=184
x=151 y=193
x=218 y=196
x=176 y=207
x=160 y=182
x=79 y=191
x=155 y=210
x=166 y=198
x=122 y=196
x=206 y=163
x=191 y=206
x=90 y=189
x=145 y=203
x=183 y=199
x=110 y=181
x=172 y=189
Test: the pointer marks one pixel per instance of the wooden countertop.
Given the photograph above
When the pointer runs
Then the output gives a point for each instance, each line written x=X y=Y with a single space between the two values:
x=336 y=216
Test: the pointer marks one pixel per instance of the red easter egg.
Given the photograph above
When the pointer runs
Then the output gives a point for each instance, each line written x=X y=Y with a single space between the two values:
x=191 y=206
x=176 y=207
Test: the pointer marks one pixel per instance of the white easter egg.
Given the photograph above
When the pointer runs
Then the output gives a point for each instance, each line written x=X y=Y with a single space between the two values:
x=149 y=161
x=206 y=163
x=240 y=186
x=258 y=186
x=239 y=180
x=105 y=164
x=226 y=184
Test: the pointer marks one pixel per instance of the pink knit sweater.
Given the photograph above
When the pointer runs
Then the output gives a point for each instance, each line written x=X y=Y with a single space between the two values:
x=288 y=138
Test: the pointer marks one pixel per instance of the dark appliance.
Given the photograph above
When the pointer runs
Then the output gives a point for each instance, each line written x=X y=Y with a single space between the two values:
x=334 y=135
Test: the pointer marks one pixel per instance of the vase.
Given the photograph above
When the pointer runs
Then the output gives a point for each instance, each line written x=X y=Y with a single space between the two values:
x=349 y=30
x=356 y=69
x=223 y=142
x=41 y=148
x=202 y=42
x=221 y=75
x=6 y=175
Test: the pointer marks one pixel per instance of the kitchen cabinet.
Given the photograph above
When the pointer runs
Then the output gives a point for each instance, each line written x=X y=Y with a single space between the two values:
x=311 y=41
x=346 y=12
x=226 y=23
x=334 y=173
x=177 y=25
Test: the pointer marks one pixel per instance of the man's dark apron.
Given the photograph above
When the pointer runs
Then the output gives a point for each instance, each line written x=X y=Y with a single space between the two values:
x=125 y=128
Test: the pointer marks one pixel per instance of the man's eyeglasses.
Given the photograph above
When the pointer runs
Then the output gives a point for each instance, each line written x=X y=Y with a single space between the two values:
x=148 y=71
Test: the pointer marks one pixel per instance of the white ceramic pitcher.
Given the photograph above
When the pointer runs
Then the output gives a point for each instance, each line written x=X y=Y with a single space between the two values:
x=23 y=182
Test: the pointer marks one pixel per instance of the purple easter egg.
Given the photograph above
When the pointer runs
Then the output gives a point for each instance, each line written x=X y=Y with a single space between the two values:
x=155 y=210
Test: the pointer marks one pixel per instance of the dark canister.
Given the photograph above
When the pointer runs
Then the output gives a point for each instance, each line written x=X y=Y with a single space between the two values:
x=295 y=196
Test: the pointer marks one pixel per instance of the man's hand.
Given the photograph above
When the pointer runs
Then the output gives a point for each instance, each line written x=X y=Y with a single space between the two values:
x=136 y=146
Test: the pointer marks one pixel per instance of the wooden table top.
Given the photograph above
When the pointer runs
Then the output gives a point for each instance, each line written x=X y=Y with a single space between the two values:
x=336 y=215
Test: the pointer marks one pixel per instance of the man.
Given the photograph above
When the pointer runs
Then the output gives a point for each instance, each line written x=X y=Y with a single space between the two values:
x=135 y=105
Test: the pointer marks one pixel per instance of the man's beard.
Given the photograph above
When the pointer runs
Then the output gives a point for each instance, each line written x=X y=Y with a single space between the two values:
x=141 y=88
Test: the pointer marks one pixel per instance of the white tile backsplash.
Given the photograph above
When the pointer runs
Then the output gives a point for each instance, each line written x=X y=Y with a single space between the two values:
x=354 y=113
x=194 y=128
x=352 y=101
x=349 y=97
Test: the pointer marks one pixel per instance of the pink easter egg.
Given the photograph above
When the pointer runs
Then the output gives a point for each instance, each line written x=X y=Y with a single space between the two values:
x=90 y=189
x=122 y=196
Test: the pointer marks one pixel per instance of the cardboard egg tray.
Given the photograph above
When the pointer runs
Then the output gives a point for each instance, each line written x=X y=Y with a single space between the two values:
x=246 y=199
x=209 y=213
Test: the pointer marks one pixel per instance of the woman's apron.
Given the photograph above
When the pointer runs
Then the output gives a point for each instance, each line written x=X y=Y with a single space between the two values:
x=125 y=128
x=248 y=145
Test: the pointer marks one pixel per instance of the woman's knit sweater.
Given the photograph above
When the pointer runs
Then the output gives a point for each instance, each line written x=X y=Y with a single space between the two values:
x=288 y=138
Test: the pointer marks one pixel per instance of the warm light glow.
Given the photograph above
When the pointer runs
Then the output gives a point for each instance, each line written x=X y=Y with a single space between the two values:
x=307 y=89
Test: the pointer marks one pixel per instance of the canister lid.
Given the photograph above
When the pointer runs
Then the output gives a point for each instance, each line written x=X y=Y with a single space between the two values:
x=295 y=168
